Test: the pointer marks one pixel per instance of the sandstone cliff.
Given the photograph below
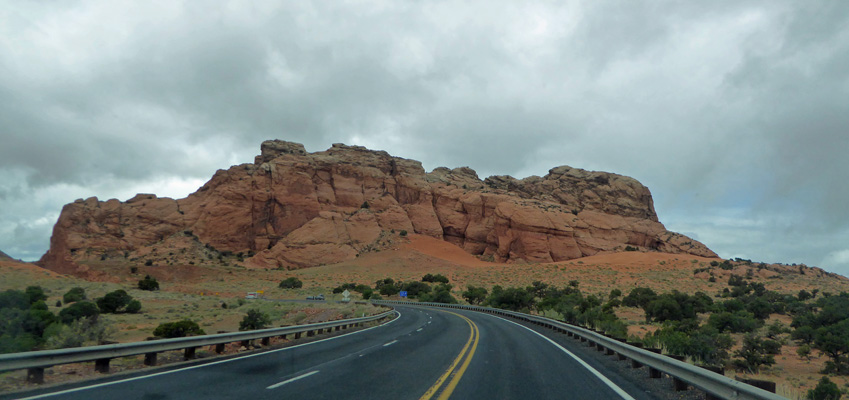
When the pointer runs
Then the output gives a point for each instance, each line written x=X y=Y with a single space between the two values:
x=295 y=209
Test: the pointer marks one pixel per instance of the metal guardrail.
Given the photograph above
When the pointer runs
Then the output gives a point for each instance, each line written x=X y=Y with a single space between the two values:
x=36 y=361
x=714 y=384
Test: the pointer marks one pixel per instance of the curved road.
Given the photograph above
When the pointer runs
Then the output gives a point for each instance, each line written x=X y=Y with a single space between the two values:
x=424 y=354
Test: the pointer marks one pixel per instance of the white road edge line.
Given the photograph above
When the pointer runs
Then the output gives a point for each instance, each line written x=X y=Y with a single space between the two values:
x=390 y=343
x=595 y=372
x=277 y=385
x=419 y=330
x=41 y=396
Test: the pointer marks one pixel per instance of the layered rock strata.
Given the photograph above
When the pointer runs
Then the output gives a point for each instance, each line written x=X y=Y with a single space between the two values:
x=295 y=209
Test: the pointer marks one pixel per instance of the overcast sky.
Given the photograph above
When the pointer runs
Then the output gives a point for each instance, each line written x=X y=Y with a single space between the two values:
x=734 y=113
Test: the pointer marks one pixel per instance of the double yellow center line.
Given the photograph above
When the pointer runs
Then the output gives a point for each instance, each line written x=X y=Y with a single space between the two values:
x=453 y=372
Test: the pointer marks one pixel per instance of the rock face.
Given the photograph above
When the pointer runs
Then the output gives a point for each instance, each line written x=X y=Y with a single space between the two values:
x=294 y=209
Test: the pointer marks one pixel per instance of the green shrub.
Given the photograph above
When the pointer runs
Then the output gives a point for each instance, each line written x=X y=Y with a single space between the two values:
x=74 y=295
x=736 y=322
x=39 y=305
x=827 y=330
x=389 y=290
x=254 y=319
x=753 y=354
x=387 y=287
x=178 y=329
x=804 y=352
x=664 y=308
x=114 y=302
x=79 y=333
x=414 y=289
x=14 y=299
x=441 y=294
x=35 y=293
x=78 y=310
x=344 y=287
x=825 y=390
x=134 y=306
x=362 y=288
x=515 y=299
x=475 y=295
x=291 y=283
x=438 y=278
x=403 y=233
x=639 y=297
x=148 y=283
x=148 y=263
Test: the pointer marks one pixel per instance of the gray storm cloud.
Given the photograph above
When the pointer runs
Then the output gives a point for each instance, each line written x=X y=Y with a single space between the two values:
x=733 y=113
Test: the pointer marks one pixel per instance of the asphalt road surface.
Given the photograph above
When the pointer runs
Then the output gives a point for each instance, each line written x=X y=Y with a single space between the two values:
x=425 y=353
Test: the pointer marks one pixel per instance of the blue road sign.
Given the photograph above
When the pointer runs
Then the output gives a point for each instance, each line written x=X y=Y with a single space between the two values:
x=403 y=293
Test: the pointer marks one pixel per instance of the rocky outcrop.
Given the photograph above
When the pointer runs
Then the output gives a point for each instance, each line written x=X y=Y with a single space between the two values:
x=294 y=209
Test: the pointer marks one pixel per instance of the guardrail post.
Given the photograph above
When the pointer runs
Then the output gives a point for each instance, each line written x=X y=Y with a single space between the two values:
x=297 y=335
x=679 y=385
x=599 y=347
x=246 y=344
x=35 y=375
x=621 y=356
x=102 y=365
x=654 y=373
x=609 y=352
x=219 y=348
x=338 y=327
x=265 y=341
x=310 y=333
x=189 y=353
x=769 y=386
x=635 y=364
x=150 y=359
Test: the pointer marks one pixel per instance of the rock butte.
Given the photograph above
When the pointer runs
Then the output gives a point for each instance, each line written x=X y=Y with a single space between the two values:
x=294 y=209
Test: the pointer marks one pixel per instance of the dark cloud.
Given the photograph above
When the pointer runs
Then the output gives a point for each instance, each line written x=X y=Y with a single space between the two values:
x=731 y=112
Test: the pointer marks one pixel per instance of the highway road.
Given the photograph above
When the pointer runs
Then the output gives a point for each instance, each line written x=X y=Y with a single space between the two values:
x=425 y=354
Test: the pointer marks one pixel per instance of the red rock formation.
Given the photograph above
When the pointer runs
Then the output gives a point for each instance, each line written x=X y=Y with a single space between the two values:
x=295 y=209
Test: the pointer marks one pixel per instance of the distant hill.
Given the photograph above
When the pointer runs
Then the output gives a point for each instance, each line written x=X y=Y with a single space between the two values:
x=5 y=257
